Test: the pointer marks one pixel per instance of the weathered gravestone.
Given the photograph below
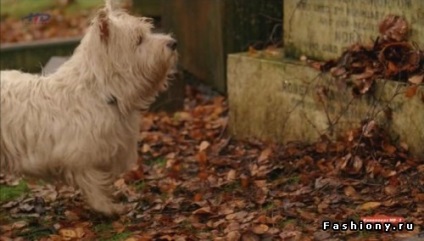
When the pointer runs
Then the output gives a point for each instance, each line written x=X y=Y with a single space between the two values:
x=279 y=99
x=321 y=29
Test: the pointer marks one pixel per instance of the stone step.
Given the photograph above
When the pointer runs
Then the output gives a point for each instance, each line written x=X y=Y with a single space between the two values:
x=276 y=99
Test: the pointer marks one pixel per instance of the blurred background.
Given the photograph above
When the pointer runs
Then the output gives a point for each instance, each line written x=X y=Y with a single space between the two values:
x=32 y=32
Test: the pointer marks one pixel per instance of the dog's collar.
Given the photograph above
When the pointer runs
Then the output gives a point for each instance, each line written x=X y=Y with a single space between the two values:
x=112 y=100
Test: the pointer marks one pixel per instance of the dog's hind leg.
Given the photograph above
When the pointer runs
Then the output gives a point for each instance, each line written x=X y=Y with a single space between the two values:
x=97 y=186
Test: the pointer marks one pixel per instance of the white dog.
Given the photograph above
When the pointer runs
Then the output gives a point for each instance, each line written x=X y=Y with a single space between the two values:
x=80 y=124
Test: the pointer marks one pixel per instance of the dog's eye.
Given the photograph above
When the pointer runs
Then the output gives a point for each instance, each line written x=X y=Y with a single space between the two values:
x=139 y=40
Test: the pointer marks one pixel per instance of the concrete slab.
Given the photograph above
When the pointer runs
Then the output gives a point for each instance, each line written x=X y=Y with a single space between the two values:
x=276 y=99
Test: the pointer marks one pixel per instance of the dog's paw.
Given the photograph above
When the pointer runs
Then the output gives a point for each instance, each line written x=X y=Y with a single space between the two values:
x=113 y=210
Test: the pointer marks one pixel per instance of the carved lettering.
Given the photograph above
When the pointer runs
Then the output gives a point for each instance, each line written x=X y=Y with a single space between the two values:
x=323 y=28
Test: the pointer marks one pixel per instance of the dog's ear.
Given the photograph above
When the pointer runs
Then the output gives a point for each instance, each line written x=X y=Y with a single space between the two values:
x=108 y=5
x=103 y=22
x=111 y=5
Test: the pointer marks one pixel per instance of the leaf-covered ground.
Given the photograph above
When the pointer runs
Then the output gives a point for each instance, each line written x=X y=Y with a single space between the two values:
x=194 y=182
x=69 y=19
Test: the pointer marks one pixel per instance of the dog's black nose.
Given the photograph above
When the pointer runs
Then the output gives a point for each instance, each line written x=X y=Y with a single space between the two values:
x=172 y=44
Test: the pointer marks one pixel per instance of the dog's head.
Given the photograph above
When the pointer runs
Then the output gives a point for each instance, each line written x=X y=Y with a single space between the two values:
x=128 y=55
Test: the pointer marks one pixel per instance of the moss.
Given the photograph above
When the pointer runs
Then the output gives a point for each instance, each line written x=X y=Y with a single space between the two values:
x=11 y=192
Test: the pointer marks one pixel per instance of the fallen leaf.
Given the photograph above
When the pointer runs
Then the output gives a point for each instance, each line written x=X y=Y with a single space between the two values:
x=68 y=233
x=204 y=145
x=390 y=149
x=369 y=205
x=416 y=79
x=390 y=190
x=231 y=175
x=264 y=155
x=350 y=191
x=19 y=224
x=411 y=91
x=252 y=51
x=260 y=229
x=204 y=210
x=233 y=236
x=249 y=236
x=394 y=28
x=198 y=197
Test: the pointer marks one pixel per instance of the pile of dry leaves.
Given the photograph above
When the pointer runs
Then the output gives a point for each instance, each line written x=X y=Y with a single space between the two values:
x=194 y=182
x=391 y=57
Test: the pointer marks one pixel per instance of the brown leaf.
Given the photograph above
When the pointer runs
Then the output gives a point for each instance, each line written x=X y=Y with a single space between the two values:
x=244 y=180
x=419 y=197
x=322 y=235
x=306 y=215
x=265 y=155
x=118 y=227
x=315 y=65
x=390 y=190
x=411 y=91
x=394 y=28
x=260 y=229
x=252 y=51
x=390 y=149
x=204 y=210
x=249 y=236
x=201 y=158
x=203 y=146
x=289 y=235
x=69 y=233
x=350 y=191
x=369 y=205
x=368 y=128
x=198 y=197
x=416 y=79
x=338 y=71
x=233 y=236
x=19 y=224
x=357 y=164
x=231 y=175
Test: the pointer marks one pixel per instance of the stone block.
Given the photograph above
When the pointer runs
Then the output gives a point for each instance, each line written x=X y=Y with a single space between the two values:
x=275 y=99
x=321 y=29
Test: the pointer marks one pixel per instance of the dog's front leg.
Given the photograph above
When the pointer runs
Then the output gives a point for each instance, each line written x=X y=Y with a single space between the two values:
x=97 y=186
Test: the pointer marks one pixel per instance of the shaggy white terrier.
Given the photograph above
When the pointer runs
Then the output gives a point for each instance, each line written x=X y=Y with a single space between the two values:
x=80 y=124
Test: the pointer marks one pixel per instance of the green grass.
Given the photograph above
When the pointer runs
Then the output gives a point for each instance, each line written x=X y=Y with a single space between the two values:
x=269 y=206
x=119 y=236
x=160 y=161
x=231 y=187
x=21 y=8
x=293 y=180
x=105 y=231
x=35 y=233
x=81 y=4
x=11 y=192
x=140 y=186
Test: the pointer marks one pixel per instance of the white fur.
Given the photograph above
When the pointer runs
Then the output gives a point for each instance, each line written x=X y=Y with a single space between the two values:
x=80 y=124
